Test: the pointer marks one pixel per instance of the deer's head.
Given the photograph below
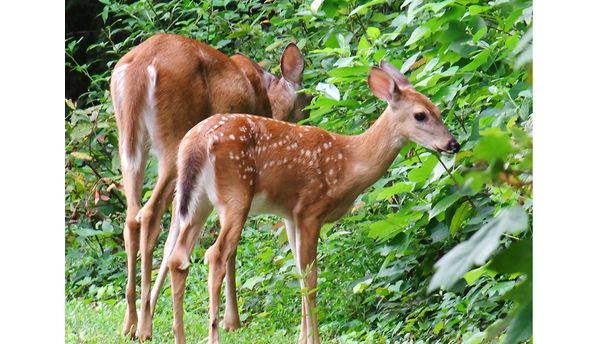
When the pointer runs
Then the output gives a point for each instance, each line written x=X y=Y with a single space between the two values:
x=416 y=118
x=285 y=93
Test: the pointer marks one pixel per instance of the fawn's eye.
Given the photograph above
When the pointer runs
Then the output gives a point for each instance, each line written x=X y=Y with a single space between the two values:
x=420 y=116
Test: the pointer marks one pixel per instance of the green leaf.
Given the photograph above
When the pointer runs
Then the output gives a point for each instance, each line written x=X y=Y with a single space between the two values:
x=477 y=61
x=475 y=338
x=494 y=144
x=329 y=90
x=423 y=172
x=395 y=189
x=362 y=9
x=357 y=71
x=363 y=46
x=461 y=214
x=315 y=5
x=104 y=14
x=87 y=232
x=473 y=275
x=512 y=42
x=222 y=43
x=521 y=327
x=392 y=225
x=80 y=131
x=325 y=230
x=475 y=9
x=479 y=34
x=518 y=257
x=417 y=34
x=439 y=232
x=251 y=282
x=443 y=204
x=373 y=32
x=361 y=286
x=477 y=249
x=274 y=45
x=500 y=288
x=439 y=326
x=107 y=226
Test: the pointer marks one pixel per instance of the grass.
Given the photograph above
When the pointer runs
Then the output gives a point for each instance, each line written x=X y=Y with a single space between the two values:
x=101 y=323
x=269 y=300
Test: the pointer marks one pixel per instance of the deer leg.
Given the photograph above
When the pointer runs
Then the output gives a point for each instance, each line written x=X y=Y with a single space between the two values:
x=150 y=221
x=307 y=236
x=132 y=181
x=291 y=233
x=217 y=256
x=178 y=263
x=231 y=320
x=163 y=269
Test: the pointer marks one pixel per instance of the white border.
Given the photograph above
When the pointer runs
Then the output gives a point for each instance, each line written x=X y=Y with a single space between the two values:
x=572 y=137
x=32 y=172
x=572 y=182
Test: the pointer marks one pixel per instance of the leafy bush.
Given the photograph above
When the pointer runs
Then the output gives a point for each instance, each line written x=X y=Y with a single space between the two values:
x=439 y=249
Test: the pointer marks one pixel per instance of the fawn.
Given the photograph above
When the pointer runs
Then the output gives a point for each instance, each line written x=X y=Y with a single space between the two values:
x=243 y=164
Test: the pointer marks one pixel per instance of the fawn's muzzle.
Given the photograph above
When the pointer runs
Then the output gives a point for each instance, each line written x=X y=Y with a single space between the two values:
x=453 y=146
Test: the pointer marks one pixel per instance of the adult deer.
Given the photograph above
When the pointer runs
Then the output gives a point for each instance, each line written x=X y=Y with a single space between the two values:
x=161 y=89
x=243 y=164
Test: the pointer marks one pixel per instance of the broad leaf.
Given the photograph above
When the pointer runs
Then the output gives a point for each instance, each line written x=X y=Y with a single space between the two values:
x=443 y=204
x=329 y=90
x=461 y=214
x=251 y=282
x=477 y=249
x=521 y=326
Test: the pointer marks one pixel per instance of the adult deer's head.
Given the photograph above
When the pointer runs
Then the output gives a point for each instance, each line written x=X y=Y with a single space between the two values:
x=285 y=93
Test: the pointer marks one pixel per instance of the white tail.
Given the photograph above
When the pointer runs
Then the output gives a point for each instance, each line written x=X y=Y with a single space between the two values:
x=160 y=90
x=244 y=164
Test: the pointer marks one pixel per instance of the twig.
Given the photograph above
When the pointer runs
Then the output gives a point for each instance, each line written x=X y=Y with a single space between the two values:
x=454 y=180
x=101 y=178
x=365 y=31
x=460 y=119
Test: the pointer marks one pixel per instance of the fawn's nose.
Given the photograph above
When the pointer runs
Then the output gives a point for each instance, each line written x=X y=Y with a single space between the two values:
x=453 y=146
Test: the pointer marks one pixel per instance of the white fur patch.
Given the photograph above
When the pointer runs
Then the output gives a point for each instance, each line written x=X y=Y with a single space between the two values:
x=119 y=81
x=261 y=205
x=149 y=113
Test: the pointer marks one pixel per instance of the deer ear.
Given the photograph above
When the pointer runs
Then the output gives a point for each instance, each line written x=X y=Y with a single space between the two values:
x=397 y=76
x=382 y=85
x=292 y=63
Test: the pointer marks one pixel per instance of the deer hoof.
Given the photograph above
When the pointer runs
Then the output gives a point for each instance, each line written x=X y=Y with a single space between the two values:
x=129 y=325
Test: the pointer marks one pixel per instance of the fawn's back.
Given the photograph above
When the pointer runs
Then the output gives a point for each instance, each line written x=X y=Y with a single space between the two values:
x=274 y=166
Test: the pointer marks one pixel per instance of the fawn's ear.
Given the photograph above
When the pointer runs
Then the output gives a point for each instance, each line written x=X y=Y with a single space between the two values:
x=292 y=63
x=382 y=85
x=397 y=76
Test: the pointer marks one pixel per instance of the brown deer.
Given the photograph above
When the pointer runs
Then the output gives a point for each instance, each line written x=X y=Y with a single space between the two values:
x=161 y=89
x=242 y=164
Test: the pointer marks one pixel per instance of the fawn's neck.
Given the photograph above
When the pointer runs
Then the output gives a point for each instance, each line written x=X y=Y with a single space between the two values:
x=374 y=151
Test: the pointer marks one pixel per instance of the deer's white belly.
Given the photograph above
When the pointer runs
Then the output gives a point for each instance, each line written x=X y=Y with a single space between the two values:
x=261 y=205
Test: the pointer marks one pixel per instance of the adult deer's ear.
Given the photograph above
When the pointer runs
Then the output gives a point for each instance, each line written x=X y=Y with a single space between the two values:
x=382 y=85
x=397 y=76
x=292 y=63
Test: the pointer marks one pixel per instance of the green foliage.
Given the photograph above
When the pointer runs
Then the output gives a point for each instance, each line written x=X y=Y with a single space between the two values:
x=423 y=225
